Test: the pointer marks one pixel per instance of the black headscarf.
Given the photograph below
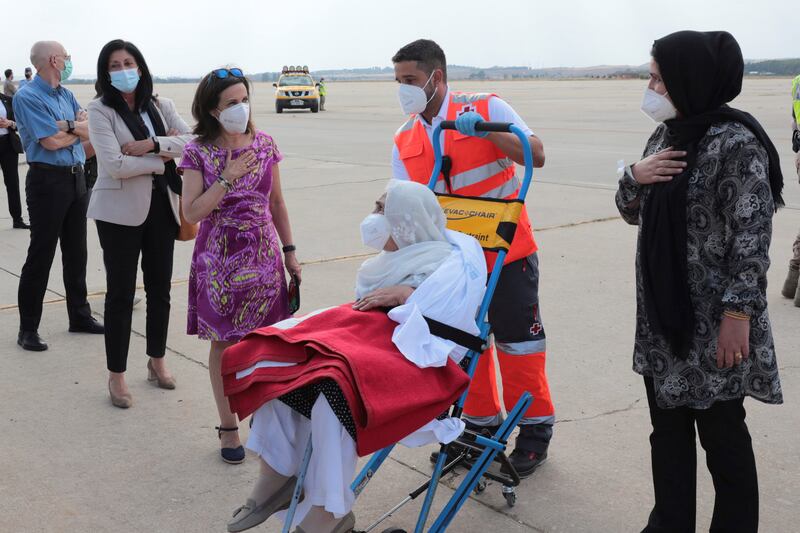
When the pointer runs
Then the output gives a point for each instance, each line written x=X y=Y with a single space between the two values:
x=702 y=72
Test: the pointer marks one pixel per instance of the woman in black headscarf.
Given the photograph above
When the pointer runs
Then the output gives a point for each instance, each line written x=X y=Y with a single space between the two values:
x=703 y=196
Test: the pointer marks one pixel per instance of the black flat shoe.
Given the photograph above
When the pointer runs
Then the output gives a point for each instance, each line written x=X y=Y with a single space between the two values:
x=233 y=456
x=91 y=326
x=30 y=340
x=20 y=224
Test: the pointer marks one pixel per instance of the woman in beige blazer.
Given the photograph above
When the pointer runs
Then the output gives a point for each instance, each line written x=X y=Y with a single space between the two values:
x=135 y=204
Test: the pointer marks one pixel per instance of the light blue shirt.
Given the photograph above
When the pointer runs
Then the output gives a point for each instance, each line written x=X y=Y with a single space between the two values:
x=37 y=107
x=23 y=82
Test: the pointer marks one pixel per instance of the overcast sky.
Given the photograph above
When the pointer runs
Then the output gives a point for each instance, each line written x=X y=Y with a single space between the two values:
x=192 y=37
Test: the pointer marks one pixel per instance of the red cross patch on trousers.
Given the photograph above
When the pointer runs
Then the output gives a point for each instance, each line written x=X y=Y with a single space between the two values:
x=536 y=327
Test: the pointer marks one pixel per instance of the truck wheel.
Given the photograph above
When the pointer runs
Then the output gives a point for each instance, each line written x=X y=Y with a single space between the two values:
x=278 y=108
x=315 y=106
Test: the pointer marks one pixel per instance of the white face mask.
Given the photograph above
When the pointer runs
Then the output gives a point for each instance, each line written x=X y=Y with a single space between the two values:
x=413 y=99
x=657 y=106
x=234 y=119
x=375 y=231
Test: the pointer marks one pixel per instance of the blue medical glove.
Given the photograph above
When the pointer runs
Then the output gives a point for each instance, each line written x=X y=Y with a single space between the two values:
x=465 y=124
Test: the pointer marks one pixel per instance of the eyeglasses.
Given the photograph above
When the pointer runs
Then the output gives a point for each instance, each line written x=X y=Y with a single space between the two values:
x=222 y=73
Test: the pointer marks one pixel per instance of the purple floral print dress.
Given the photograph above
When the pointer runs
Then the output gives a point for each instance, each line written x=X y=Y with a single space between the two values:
x=237 y=281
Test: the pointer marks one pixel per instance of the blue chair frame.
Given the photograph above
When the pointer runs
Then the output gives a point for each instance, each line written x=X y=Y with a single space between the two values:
x=491 y=445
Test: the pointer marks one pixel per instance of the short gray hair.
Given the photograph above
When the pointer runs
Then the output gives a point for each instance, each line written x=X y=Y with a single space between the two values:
x=42 y=50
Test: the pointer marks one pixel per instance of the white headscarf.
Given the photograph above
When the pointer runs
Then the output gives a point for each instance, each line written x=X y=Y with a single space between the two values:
x=418 y=228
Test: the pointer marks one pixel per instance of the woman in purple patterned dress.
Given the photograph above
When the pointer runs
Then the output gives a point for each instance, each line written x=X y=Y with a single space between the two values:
x=232 y=187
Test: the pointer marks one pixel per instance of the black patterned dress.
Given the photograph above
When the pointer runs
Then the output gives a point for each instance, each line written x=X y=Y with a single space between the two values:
x=729 y=223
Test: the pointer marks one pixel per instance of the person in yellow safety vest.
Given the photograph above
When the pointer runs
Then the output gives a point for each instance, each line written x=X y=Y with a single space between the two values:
x=323 y=92
x=483 y=166
x=790 y=286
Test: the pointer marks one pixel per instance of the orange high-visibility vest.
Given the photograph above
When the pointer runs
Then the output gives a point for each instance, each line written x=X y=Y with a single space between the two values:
x=478 y=168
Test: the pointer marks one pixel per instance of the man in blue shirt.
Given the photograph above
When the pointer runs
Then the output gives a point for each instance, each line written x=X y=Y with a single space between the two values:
x=27 y=79
x=51 y=125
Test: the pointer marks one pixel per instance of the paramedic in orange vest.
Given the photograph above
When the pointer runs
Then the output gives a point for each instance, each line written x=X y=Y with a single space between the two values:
x=483 y=166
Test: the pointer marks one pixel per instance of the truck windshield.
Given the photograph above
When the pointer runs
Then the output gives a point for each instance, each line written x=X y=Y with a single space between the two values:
x=295 y=80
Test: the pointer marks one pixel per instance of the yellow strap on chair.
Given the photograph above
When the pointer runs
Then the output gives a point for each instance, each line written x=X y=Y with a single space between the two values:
x=492 y=222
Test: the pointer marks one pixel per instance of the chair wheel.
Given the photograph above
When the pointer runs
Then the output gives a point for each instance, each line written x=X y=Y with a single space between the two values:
x=480 y=487
x=511 y=498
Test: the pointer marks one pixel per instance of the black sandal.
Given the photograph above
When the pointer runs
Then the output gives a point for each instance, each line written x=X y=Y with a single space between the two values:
x=233 y=456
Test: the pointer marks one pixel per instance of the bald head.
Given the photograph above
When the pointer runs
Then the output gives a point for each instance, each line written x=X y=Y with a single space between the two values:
x=42 y=51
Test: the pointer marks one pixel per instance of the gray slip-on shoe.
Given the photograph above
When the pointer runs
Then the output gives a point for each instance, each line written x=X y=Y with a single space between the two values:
x=250 y=515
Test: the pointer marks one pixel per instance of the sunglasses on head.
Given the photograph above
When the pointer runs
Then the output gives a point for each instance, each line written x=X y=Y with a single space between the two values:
x=222 y=73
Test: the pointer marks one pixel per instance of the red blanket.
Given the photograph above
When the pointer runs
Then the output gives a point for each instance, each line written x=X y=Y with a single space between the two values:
x=389 y=397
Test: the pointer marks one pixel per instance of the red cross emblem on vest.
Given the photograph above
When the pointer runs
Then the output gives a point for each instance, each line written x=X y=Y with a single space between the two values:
x=469 y=108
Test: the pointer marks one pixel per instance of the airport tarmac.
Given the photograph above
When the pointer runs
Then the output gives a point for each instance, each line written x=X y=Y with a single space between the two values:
x=69 y=461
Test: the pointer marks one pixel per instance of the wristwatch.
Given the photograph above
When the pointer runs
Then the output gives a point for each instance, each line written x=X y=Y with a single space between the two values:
x=156 y=145
x=289 y=248
x=70 y=126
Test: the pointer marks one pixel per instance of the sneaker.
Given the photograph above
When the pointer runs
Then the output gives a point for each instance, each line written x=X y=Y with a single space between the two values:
x=525 y=459
x=525 y=463
x=453 y=451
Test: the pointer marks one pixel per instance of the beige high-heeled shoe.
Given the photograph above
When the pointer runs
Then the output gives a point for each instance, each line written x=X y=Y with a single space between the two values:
x=123 y=401
x=152 y=375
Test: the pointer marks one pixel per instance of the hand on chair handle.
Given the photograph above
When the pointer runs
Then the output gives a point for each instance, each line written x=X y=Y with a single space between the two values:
x=465 y=124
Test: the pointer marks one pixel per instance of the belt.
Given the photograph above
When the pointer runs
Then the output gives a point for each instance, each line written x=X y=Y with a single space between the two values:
x=71 y=169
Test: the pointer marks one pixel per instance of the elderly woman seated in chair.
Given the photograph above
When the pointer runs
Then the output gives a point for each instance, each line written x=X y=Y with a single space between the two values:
x=352 y=378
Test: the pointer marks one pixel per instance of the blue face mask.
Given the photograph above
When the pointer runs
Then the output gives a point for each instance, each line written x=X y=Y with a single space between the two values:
x=67 y=72
x=125 y=81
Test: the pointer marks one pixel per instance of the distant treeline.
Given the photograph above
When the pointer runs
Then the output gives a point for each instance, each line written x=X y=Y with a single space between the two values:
x=769 y=67
x=774 y=67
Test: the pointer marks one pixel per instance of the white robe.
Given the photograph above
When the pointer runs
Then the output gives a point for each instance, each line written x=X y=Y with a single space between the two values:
x=279 y=435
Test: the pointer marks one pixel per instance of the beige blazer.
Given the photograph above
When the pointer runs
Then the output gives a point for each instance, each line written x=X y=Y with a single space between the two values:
x=124 y=184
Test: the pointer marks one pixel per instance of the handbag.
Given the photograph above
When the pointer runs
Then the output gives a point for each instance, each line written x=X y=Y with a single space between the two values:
x=90 y=171
x=187 y=231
